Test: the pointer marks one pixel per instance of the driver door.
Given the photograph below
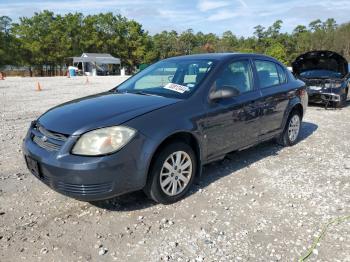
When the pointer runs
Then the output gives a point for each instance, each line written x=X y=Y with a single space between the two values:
x=232 y=123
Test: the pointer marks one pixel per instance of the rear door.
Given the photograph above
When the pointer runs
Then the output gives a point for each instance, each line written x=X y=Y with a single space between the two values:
x=232 y=123
x=274 y=88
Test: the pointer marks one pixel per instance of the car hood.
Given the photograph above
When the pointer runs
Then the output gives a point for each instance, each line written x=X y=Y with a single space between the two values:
x=100 y=110
x=320 y=60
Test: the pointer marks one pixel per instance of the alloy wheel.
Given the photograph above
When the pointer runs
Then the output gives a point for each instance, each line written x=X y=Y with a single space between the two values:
x=294 y=128
x=176 y=173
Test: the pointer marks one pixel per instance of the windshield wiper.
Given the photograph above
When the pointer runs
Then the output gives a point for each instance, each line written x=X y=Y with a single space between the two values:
x=123 y=91
x=141 y=93
x=138 y=92
x=116 y=91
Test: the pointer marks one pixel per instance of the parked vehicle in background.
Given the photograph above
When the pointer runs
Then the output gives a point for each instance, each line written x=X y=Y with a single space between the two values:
x=326 y=75
x=157 y=129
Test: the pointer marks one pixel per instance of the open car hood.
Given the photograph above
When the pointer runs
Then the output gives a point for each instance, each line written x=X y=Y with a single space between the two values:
x=320 y=60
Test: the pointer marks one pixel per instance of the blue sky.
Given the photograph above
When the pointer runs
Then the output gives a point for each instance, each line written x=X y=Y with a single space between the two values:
x=216 y=16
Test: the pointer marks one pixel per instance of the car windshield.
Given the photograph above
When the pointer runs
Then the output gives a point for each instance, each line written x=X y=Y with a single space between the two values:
x=320 y=73
x=176 y=79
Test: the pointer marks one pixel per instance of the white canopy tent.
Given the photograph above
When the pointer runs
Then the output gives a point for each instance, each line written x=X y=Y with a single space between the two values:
x=91 y=62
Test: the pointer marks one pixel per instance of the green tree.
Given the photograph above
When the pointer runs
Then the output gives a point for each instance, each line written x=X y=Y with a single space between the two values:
x=6 y=41
x=229 y=42
x=300 y=29
x=167 y=44
x=187 y=41
x=277 y=51
x=274 y=30
x=46 y=40
x=315 y=25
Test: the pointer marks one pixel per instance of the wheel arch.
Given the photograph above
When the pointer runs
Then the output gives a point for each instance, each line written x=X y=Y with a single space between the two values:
x=185 y=136
x=294 y=105
x=299 y=108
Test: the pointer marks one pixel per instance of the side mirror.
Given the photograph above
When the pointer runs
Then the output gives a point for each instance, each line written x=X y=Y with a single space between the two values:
x=223 y=92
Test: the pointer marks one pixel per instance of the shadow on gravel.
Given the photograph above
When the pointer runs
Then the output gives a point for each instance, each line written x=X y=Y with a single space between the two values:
x=240 y=159
x=128 y=202
x=233 y=162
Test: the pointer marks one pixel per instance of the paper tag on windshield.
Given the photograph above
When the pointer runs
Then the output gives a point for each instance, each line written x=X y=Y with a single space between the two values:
x=177 y=88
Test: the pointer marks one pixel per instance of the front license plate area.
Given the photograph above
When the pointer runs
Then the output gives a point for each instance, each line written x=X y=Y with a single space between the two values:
x=33 y=166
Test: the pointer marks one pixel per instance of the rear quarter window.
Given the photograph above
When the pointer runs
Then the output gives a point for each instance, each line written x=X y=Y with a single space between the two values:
x=291 y=75
x=282 y=74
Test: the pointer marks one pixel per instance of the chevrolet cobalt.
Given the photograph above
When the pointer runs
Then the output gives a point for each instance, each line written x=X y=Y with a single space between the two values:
x=156 y=130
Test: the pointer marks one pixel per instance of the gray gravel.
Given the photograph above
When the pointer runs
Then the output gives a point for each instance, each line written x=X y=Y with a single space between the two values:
x=266 y=203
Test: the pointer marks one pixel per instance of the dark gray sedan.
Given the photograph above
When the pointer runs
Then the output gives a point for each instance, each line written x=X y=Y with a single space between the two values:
x=156 y=130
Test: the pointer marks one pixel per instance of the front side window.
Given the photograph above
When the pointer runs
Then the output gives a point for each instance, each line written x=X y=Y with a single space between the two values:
x=178 y=79
x=238 y=75
x=267 y=73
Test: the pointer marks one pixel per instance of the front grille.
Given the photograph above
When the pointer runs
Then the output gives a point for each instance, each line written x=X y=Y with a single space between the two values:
x=46 y=139
x=56 y=136
x=81 y=189
x=46 y=144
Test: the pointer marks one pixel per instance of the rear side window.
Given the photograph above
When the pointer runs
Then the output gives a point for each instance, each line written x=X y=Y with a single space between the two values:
x=282 y=74
x=267 y=72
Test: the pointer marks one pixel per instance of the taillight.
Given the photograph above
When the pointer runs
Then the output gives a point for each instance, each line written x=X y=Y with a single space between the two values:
x=301 y=92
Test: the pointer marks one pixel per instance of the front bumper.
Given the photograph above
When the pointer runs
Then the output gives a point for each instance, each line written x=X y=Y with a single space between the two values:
x=90 y=178
x=325 y=95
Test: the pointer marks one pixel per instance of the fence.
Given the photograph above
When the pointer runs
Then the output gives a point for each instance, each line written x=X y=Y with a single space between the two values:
x=24 y=71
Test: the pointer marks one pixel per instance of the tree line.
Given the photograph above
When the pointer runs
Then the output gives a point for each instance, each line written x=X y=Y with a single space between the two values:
x=49 y=39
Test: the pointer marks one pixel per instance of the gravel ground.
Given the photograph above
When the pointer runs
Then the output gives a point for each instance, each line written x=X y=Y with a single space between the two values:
x=265 y=203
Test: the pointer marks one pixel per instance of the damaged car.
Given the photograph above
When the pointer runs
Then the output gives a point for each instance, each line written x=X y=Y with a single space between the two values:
x=326 y=75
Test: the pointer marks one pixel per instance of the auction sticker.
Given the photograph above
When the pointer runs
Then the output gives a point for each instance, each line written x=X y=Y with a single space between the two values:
x=177 y=88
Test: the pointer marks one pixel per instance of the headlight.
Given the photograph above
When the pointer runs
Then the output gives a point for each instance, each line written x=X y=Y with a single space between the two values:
x=333 y=85
x=337 y=85
x=103 y=141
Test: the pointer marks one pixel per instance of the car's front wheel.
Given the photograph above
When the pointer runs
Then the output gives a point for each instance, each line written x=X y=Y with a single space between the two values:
x=172 y=173
x=291 y=131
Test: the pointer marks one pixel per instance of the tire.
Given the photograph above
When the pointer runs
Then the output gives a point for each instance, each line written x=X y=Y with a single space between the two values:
x=293 y=125
x=164 y=169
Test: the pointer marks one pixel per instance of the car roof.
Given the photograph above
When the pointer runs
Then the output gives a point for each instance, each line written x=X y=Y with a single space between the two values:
x=220 y=56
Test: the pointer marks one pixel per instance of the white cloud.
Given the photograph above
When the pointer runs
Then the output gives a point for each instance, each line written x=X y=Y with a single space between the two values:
x=72 y=6
x=207 y=5
x=222 y=15
x=243 y=3
x=183 y=18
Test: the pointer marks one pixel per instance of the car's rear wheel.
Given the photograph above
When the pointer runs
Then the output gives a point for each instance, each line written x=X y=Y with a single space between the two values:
x=172 y=173
x=291 y=131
